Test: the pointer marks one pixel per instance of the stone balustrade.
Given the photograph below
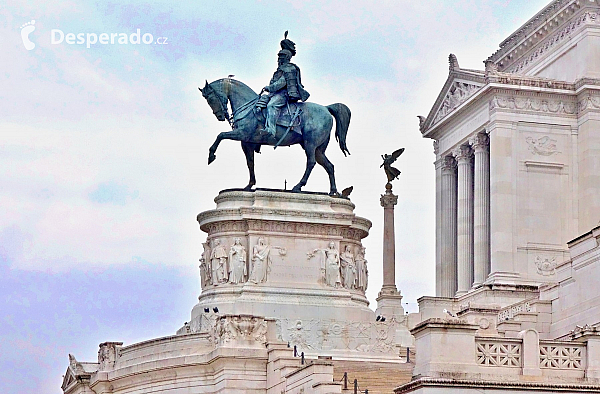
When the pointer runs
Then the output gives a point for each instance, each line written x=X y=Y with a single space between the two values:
x=502 y=358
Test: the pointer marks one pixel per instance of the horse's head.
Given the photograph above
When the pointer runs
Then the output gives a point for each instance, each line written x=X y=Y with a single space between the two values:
x=217 y=102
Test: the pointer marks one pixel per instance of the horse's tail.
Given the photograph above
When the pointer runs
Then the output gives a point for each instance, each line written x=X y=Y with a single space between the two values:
x=341 y=113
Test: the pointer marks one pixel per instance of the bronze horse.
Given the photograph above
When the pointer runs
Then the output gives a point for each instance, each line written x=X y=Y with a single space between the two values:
x=316 y=122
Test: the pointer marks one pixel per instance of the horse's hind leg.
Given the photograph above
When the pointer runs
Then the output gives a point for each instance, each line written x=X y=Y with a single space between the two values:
x=328 y=166
x=249 y=152
x=310 y=164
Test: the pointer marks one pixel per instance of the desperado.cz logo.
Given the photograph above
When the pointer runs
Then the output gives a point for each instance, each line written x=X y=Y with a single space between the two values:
x=57 y=36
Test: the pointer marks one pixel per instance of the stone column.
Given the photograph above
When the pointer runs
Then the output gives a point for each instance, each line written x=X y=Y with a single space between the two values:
x=438 y=221
x=388 y=201
x=463 y=156
x=481 y=212
x=448 y=233
x=389 y=300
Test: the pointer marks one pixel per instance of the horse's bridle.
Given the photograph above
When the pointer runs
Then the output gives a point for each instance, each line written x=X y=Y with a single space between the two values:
x=222 y=102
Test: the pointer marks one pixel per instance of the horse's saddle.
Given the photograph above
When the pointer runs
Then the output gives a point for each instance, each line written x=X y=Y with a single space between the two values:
x=285 y=116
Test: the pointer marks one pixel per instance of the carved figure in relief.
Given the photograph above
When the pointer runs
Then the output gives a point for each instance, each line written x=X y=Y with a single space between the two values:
x=237 y=262
x=362 y=273
x=545 y=266
x=544 y=146
x=218 y=259
x=348 y=268
x=205 y=269
x=261 y=260
x=330 y=264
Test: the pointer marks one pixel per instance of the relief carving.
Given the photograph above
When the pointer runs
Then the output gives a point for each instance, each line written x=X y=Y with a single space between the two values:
x=218 y=258
x=348 y=268
x=362 y=273
x=261 y=260
x=230 y=328
x=107 y=355
x=316 y=334
x=543 y=146
x=545 y=266
x=205 y=266
x=533 y=104
x=459 y=93
x=330 y=265
x=237 y=262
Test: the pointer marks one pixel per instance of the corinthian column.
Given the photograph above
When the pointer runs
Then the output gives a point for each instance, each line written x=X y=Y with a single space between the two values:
x=481 y=214
x=448 y=233
x=463 y=156
x=389 y=300
x=388 y=200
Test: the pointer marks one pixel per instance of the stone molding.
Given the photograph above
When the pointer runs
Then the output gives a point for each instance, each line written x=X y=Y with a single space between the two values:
x=546 y=22
x=499 y=384
x=506 y=78
x=281 y=196
x=277 y=226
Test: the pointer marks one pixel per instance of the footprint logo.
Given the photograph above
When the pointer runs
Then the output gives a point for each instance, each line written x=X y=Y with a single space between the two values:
x=26 y=30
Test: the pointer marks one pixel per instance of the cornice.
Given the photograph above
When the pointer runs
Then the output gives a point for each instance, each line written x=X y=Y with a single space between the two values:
x=550 y=19
x=504 y=385
x=509 y=83
x=530 y=55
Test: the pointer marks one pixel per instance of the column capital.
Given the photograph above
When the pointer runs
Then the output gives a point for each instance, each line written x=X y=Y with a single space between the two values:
x=448 y=164
x=480 y=142
x=462 y=153
x=388 y=200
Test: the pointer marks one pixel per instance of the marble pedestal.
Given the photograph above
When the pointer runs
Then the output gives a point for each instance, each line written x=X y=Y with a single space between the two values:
x=312 y=280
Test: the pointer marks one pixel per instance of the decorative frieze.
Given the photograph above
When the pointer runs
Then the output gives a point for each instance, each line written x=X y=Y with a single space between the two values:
x=498 y=354
x=276 y=226
x=325 y=334
x=589 y=102
x=546 y=105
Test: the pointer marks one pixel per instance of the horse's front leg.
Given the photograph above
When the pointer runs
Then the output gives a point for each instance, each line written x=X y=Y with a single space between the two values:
x=249 y=152
x=226 y=135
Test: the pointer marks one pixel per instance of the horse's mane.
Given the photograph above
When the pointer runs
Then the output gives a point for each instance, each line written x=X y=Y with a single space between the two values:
x=242 y=88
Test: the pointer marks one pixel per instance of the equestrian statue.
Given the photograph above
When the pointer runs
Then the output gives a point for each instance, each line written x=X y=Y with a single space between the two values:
x=288 y=120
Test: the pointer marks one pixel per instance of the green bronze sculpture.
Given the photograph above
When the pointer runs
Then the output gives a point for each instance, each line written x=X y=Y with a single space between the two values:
x=310 y=123
x=284 y=87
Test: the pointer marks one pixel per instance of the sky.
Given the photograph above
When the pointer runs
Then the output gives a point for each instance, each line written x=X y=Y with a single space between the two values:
x=103 y=150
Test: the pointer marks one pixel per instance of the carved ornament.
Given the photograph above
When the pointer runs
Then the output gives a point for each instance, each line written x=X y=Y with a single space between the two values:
x=458 y=93
x=554 y=106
